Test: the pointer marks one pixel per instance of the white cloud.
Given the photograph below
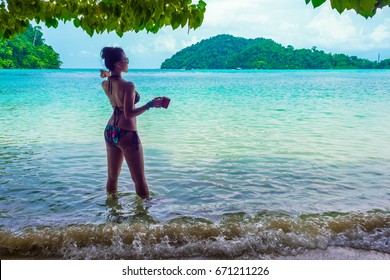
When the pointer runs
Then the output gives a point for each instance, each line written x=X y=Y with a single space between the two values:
x=381 y=33
x=288 y=26
x=88 y=53
x=231 y=14
x=190 y=41
x=278 y=20
x=139 y=48
x=165 y=43
x=329 y=29
x=348 y=32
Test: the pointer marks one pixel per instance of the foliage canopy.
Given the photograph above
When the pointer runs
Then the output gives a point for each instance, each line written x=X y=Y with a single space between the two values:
x=130 y=15
x=228 y=52
x=365 y=8
x=28 y=50
x=100 y=15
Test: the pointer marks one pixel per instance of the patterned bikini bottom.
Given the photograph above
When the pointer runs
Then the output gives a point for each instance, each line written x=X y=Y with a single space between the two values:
x=112 y=134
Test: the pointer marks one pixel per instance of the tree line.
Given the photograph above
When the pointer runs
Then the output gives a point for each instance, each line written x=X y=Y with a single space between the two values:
x=229 y=52
x=28 y=50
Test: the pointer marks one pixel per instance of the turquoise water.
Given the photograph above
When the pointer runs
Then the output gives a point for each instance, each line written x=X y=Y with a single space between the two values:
x=243 y=164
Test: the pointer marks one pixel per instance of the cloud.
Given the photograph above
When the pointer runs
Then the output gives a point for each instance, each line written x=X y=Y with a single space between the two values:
x=147 y=44
x=88 y=54
x=139 y=48
x=249 y=18
x=348 y=32
x=381 y=33
x=329 y=28
x=281 y=20
x=231 y=13
x=165 y=44
x=191 y=41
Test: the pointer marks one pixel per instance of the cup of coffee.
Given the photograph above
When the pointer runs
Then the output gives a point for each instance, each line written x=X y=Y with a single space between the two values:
x=165 y=102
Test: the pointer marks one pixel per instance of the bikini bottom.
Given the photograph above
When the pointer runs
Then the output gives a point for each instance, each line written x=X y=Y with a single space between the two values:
x=112 y=134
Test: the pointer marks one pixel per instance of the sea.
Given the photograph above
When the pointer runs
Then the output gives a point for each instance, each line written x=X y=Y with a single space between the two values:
x=244 y=164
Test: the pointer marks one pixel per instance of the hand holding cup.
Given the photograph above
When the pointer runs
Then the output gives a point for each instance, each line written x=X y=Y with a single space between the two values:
x=159 y=102
x=165 y=102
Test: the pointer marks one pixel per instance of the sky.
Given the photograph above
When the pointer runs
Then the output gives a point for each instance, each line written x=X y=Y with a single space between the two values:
x=288 y=22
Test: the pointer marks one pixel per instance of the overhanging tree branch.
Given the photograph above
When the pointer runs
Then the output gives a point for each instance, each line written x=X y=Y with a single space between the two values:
x=98 y=16
x=101 y=15
x=365 y=8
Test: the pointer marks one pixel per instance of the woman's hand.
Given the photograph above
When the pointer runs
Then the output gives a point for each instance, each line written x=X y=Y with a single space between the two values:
x=104 y=74
x=157 y=102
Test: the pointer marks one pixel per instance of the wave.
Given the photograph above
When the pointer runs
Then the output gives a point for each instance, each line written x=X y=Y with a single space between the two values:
x=237 y=236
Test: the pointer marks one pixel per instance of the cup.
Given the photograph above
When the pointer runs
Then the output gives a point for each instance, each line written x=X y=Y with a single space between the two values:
x=165 y=102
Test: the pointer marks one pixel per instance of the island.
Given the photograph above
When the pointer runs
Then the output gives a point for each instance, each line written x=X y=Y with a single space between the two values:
x=28 y=51
x=229 y=52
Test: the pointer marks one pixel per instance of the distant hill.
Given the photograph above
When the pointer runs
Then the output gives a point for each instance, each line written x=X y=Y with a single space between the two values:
x=28 y=51
x=229 y=52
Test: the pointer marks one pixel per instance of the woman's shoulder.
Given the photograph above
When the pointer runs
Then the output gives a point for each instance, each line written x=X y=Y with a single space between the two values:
x=129 y=85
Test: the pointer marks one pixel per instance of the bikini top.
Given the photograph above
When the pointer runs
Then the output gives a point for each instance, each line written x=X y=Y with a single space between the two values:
x=118 y=110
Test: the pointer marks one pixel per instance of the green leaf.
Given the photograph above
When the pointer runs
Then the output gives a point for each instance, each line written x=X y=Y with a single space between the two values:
x=317 y=3
x=352 y=4
x=119 y=32
x=338 y=5
x=149 y=24
x=202 y=5
x=58 y=9
x=383 y=3
x=368 y=6
x=55 y=23
x=76 y=22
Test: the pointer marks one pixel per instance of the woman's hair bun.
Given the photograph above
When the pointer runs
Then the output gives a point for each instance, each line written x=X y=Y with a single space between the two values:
x=104 y=53
x=111 y=55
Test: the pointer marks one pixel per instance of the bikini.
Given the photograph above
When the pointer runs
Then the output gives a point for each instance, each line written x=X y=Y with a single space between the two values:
x=113 y=133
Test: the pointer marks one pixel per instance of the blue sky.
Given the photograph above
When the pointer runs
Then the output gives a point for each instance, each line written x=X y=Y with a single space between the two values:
x=289 y=22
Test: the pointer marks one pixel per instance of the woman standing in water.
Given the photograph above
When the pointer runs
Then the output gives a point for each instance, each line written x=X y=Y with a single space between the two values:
x=122 y=141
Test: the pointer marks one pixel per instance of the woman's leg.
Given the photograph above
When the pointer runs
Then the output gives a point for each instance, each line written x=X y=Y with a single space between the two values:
x=135 y=160
x=114 y=164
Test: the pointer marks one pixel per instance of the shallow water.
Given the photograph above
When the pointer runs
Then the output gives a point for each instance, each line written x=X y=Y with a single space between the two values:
x=243 y=164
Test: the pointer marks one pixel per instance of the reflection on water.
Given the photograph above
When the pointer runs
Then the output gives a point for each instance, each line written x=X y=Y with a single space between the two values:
x=134 y=212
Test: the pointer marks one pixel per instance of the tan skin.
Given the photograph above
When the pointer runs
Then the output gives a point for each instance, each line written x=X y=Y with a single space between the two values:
x=123 y=96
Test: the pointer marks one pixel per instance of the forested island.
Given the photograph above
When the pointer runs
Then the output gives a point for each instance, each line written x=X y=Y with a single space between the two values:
x=28 y=51
x=229 y=52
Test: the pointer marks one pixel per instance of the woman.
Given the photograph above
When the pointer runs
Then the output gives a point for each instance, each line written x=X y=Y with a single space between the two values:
x=122 y=141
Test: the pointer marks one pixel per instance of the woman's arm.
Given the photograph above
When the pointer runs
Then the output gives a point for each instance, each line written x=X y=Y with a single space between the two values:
x=104 y=74
x=129 y=105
